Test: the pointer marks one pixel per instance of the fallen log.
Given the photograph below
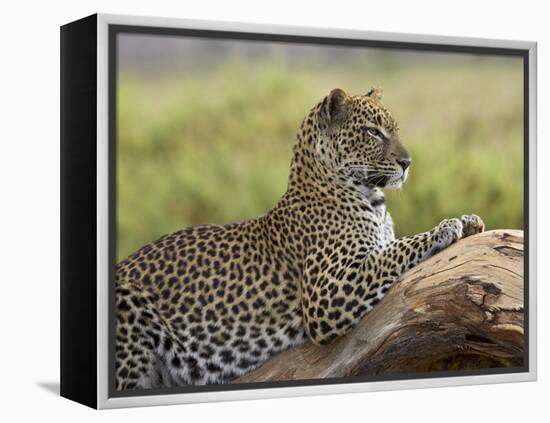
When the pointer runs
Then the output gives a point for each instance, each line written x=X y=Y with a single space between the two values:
x=461 y=309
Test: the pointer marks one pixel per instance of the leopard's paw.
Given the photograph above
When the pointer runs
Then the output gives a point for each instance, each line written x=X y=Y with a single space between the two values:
x=447 y=232
x=471 y=224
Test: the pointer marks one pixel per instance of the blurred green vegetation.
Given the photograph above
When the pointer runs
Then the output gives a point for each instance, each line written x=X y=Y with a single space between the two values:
x=213 y=145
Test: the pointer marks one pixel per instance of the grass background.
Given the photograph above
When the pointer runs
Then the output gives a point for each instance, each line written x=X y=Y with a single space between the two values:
x=205 y=130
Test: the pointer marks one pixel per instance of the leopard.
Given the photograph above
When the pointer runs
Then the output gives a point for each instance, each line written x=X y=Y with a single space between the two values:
x=209 y=303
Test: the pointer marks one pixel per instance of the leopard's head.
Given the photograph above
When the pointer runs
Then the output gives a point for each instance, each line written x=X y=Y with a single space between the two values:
x=359 y=140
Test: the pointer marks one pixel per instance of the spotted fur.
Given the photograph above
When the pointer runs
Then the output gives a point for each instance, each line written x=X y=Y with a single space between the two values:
x=209 y=303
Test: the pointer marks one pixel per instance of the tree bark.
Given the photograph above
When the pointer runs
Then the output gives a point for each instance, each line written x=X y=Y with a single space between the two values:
x=460 y=309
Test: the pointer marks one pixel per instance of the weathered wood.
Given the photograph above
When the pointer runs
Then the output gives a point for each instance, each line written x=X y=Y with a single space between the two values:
x=462 y=308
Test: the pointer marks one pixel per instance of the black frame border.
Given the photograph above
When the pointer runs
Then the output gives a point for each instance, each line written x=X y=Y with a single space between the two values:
x=78 y=211
x=115 y=29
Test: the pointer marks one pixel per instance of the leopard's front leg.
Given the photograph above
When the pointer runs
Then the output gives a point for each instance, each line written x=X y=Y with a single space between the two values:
x=336 y=299
x=410 y=251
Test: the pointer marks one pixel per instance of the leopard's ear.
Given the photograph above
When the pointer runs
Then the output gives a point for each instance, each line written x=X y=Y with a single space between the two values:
x=375 y=93
x=334 y=107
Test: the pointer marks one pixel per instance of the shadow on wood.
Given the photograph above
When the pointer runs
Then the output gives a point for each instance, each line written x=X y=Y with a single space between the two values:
x=461 y=309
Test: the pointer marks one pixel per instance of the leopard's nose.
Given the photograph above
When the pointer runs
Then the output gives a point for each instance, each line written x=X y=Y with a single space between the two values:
x=404 y=163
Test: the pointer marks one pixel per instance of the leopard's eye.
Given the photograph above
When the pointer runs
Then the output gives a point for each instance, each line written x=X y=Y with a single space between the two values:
x=375 y=132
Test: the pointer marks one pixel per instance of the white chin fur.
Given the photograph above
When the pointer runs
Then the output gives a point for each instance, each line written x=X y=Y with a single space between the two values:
x=394 y=184
x=398 y=181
